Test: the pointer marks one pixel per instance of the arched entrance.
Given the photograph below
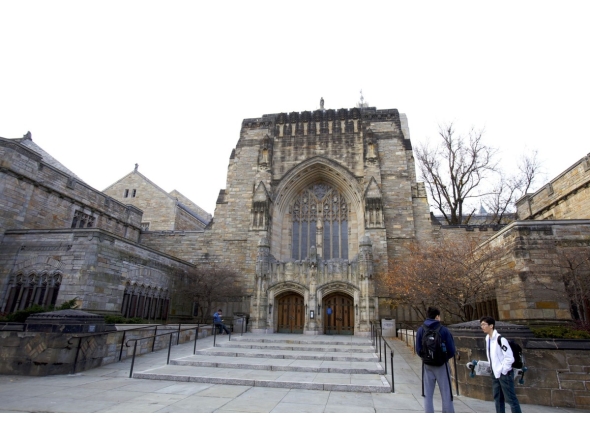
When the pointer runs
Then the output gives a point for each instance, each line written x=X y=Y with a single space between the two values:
x=291 y=313
x=338 y=314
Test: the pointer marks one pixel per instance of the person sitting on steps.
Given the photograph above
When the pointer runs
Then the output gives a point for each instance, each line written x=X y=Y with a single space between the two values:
x=218 y=322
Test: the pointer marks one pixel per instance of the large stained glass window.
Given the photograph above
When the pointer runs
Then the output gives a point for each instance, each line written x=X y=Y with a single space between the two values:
x=320 y=207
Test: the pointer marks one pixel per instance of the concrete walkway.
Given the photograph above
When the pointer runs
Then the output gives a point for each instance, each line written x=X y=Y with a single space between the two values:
x=109 y=389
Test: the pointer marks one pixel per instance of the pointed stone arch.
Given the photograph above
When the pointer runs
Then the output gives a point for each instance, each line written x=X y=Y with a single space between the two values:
x=312 y=171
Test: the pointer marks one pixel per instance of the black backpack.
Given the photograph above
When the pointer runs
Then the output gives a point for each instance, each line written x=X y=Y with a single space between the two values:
x=434 y=351
x=516 y=351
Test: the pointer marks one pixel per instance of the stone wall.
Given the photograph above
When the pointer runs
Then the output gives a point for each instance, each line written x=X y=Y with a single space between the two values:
x=37 y=195
x=95 y=266
x=530 y=287
x=42 y=354
x=558 y=372
x=565 y=197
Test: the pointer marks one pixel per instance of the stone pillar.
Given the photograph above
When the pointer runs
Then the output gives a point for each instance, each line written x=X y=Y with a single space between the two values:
x=259 y=317
x=367 y=310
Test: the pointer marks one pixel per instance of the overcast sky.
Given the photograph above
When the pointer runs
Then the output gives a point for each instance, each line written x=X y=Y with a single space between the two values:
x=106 y=84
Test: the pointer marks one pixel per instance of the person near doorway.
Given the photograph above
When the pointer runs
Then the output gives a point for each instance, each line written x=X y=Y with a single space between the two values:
x=435 y=346
x=217 y=321
x=501 y=360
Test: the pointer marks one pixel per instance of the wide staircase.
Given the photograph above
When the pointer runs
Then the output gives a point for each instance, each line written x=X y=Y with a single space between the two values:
x=333 y=363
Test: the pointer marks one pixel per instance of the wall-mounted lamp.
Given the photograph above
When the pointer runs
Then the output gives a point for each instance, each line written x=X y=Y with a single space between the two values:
x=357 y=309
x=269 y=308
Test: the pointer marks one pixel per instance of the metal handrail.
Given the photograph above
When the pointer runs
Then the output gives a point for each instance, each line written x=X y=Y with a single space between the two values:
x=377 y=337
x=136 y=340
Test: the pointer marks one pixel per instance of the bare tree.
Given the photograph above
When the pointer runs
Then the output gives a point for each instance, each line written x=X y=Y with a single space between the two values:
x=206 y=286
x=455 y=276
x=455 y=169
x=509 y=189
x=571 y=267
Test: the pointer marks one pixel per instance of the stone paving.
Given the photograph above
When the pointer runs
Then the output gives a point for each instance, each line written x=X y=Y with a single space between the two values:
x=109 y=389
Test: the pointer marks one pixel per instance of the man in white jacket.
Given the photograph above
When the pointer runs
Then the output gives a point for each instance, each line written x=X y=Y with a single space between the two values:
x=500 y=359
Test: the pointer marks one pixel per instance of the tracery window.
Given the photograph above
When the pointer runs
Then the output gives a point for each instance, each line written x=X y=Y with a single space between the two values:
x=320 y=210
x=82 y=220
x=26 y=291
x=144 y=302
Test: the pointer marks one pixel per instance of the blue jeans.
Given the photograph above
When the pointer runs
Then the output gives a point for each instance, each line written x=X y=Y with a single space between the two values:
x=221 y=327
x=503 y=389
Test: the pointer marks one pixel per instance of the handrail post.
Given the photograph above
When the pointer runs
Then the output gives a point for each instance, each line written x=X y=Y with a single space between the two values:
x=380 y=338
x=385 y=354
x=456 y=376
x=214 y=333
x=169 y=347
x=155 y=334
x=76 y=357
x=196 y=336
x=178 y=337
x=392 y=382
x=414 y=338
x=133 y=359
x=122 y=343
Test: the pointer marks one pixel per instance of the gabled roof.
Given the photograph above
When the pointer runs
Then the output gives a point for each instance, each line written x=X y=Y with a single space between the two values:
x=27 y=142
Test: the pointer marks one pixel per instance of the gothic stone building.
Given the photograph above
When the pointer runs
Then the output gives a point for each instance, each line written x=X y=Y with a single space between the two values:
x=316 y=205
x=61 y=239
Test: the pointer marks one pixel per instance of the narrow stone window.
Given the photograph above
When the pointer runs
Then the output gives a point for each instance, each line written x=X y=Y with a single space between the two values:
x=133 y=193
x=126 y=194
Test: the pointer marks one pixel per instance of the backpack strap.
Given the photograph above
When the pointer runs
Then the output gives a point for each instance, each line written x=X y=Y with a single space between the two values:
x=503 y=347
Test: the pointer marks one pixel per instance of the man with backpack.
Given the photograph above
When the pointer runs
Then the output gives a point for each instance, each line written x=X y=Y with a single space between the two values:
x=501 y=358
x=435 y=345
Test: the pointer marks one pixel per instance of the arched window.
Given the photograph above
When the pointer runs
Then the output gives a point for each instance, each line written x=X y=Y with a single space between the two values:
x=320 y=211
x=26 y=291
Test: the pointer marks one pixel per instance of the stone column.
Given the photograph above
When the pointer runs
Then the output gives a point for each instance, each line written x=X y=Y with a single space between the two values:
x=259 y=314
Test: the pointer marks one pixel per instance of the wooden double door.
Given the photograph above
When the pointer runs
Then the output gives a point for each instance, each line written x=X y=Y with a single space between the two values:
x=291 y=313
x=338 y=314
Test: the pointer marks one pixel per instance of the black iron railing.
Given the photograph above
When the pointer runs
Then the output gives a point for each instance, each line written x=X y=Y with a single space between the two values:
x=376 y=340
x=89 y=335
x=171 y=333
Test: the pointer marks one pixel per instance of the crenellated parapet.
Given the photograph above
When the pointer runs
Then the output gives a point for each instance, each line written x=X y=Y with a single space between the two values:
x=326 y=121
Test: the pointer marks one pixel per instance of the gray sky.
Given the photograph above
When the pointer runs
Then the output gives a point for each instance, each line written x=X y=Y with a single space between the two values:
x=105 y=85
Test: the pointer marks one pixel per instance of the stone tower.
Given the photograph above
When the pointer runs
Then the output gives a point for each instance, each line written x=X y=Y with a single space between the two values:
x=316 y=205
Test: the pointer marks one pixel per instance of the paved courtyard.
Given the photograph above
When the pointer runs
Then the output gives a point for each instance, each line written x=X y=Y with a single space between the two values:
x=109 y=389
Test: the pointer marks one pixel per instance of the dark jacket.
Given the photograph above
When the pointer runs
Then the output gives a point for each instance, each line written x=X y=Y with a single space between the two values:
x=445 y=336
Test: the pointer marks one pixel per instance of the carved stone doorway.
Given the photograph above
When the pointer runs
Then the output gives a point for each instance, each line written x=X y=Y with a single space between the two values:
x=291 y=313
x=338 y=314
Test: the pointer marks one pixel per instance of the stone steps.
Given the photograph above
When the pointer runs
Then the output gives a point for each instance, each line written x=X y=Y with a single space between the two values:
x=324 y=363
x=262 y=378
x=293 y=365
x=298 y=347
x=280 y=354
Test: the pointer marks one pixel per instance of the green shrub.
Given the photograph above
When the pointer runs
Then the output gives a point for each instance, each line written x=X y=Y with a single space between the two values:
x=22 y=315
x=560 y=332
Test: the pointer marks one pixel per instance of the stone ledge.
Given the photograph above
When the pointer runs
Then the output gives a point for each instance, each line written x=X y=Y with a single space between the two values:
x=558 y=344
